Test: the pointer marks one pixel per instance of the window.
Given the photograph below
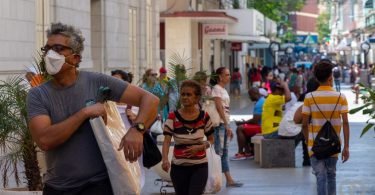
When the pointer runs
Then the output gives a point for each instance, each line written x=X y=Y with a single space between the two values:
x=133 y=39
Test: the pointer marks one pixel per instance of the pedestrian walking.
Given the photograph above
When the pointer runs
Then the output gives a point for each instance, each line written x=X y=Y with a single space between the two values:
x=236 y=81
x=321 y=106
x=188 y=126
x=336 y=76
x=58 y=118
x=223 y=133
x=151 y=84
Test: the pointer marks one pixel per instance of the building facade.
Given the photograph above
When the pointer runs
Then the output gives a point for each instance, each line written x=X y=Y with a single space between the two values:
x=120 y=34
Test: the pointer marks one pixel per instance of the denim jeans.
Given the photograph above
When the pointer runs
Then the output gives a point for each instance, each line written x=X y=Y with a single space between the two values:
x=273 y=135
x=221 y=146
x=337 y=84
x=325 y=172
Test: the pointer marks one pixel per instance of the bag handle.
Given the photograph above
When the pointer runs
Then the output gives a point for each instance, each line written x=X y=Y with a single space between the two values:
x=321 y=111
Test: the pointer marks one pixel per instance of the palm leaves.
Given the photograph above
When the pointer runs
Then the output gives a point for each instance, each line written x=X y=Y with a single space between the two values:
x=16 y=145
x=368 y=108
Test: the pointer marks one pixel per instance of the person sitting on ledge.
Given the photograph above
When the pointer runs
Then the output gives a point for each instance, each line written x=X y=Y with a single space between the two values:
x=247 y=129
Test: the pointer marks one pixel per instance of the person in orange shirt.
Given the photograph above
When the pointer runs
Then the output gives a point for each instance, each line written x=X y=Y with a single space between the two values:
x=33 y=77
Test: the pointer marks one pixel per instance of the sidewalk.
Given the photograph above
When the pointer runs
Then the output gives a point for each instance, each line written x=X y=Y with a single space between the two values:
x=357 y=176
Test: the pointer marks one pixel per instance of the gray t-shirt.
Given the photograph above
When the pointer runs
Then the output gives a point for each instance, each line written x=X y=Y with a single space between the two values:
x=78 y=161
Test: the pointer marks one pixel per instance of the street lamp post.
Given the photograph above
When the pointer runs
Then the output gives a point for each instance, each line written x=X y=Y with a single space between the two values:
x=365 y=47
x=274 y=47
x=289 y=50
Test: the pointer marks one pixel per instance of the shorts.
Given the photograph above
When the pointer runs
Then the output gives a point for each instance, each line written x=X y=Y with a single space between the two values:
x=251 y=129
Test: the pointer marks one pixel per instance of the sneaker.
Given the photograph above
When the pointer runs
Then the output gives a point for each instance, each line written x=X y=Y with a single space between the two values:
x=235 y=184
x=249 y=155
x=238 y=156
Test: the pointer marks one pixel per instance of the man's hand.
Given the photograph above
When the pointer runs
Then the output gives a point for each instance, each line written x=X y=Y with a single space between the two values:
x=96 y=110
x=345 y=154
x=132 y=144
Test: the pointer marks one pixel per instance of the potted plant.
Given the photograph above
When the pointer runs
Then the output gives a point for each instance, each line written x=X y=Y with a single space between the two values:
x=17 y=147
x=368 y=97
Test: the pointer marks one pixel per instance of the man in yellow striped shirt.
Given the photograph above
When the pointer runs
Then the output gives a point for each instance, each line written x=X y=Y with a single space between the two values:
x=318 y=107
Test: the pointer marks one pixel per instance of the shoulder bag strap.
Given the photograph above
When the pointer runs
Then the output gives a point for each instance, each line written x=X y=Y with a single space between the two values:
x=335 y=107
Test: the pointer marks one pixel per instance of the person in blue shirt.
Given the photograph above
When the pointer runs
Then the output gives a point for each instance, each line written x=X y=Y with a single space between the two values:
x=247 y=129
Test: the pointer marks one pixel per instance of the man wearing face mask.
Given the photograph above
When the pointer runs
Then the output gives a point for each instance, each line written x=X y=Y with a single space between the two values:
x=58 y=118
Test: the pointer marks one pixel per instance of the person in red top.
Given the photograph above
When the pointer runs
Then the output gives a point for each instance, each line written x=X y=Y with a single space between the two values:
x=256 y=76
x=236 y=82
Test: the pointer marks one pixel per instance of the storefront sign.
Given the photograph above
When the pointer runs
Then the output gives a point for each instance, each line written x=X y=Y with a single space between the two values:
x=215 y=29
x=236 y=46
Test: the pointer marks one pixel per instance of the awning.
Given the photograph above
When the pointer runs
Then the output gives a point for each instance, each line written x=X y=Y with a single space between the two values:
x=241 y=38
x=202 y=16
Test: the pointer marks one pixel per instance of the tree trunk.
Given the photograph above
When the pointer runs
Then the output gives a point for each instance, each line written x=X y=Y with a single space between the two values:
x=32 y=171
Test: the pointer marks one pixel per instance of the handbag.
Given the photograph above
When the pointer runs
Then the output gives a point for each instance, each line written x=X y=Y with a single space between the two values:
x=210 y=107
x=151 y=152
x=157 y=127
x=327 y=142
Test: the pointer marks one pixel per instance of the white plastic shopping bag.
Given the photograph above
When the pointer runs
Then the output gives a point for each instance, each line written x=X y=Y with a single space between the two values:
x=214 y=180
x=125 y=177
x=210 y=107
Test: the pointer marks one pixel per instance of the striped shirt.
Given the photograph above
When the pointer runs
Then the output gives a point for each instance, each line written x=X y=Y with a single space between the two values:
x=187 y=133
x=326 y=98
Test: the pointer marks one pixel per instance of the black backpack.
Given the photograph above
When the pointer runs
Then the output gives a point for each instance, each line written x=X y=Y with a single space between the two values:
x=336 y=73
x=327 y=142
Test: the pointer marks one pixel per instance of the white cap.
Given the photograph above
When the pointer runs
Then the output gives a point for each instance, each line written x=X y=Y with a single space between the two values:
x=263 y=92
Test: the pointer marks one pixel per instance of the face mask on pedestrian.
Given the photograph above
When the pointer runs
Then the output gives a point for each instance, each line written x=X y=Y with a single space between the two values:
x=54 y=62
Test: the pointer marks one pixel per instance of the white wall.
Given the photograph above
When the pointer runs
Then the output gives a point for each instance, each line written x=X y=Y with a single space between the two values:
x=19 y=26
x=253 y=25
x=17 y=35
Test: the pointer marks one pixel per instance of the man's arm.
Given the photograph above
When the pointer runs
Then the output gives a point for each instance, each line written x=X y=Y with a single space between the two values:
x=255 y=120
x=345 y=125
x=298 y=116
x=146 y=101
x=287 y=94
x=132 y=142
x=305 y=126
x=48 y=136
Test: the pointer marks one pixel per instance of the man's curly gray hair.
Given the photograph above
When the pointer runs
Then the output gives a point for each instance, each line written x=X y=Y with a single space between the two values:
x=74 y=34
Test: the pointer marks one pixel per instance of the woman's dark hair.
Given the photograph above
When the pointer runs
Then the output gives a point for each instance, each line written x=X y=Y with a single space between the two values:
x=124 y=75
x=214 y=80
x=193 y=84
x=236 y=69
x=311 y=86
x=323 y=70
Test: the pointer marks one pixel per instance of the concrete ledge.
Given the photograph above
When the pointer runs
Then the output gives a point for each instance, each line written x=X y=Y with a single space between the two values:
x=256 y=140
x=277 y=153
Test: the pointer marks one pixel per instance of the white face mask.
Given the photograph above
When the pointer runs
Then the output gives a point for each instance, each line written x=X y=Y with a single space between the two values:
x=54 y=62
